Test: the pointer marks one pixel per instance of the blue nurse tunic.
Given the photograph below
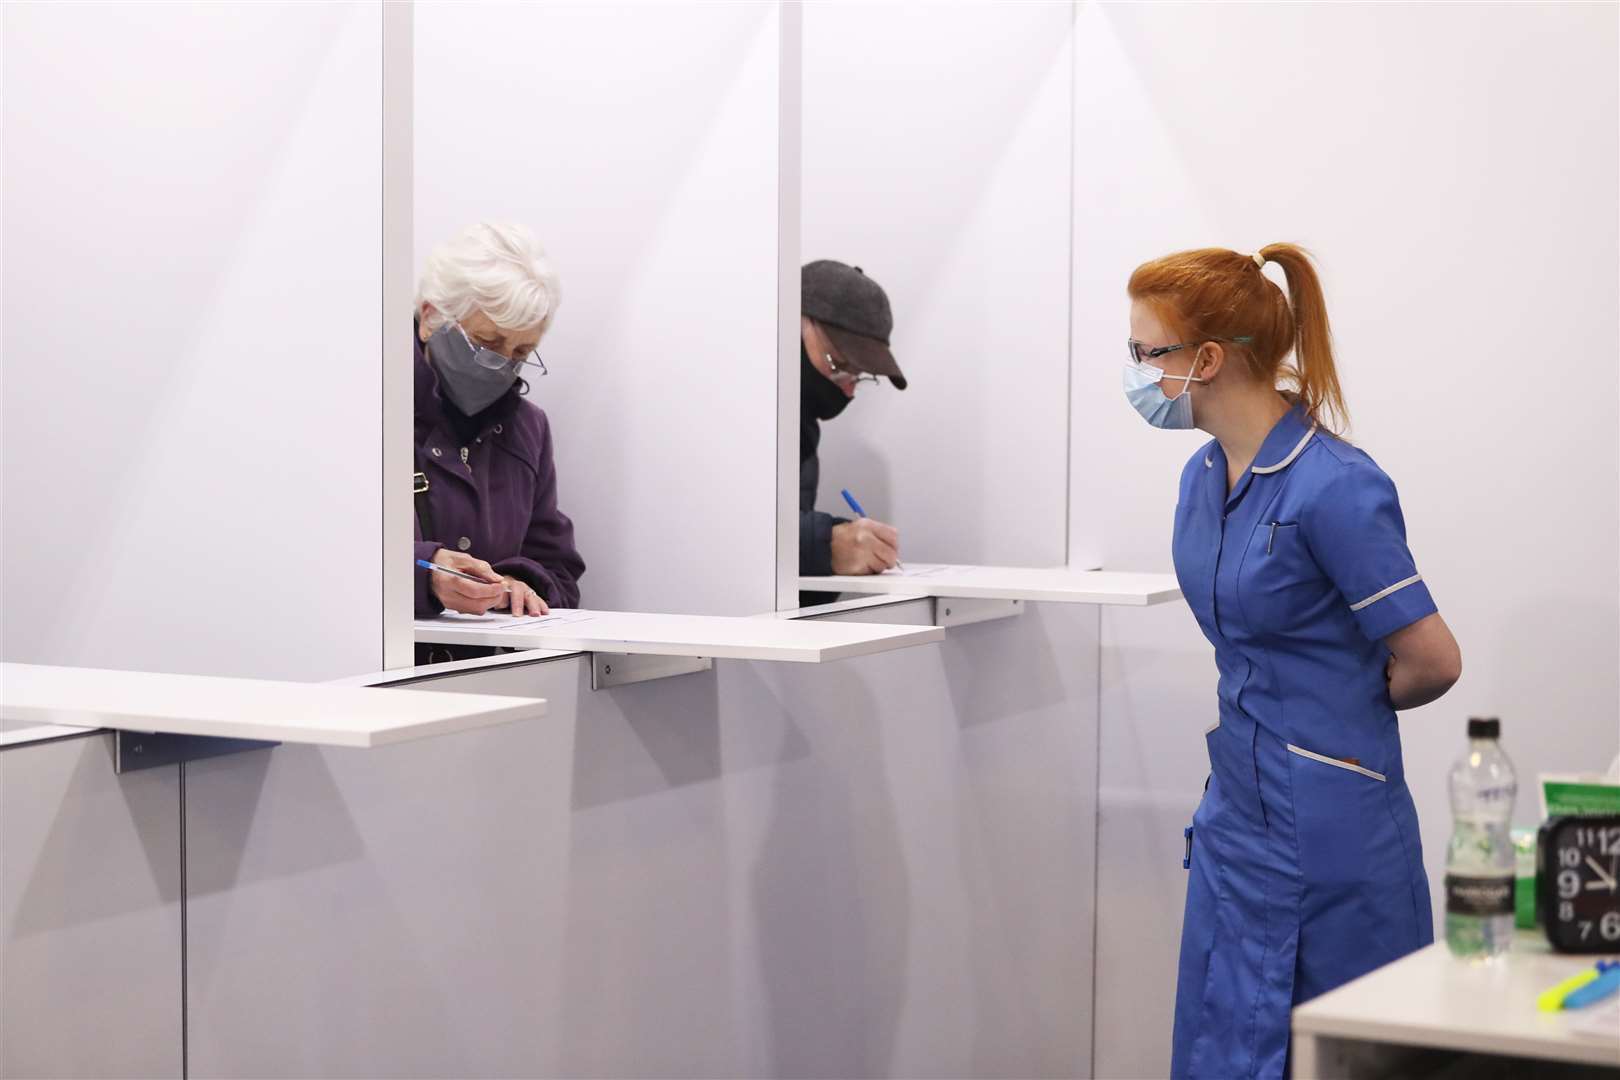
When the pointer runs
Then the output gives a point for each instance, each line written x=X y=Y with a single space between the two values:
x=1306 y=869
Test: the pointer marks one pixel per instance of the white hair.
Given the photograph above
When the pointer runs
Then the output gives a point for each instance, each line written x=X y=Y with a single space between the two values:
x=497 y=268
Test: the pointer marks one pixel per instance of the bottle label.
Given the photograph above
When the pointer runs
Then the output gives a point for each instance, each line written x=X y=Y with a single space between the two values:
x=1482 y=896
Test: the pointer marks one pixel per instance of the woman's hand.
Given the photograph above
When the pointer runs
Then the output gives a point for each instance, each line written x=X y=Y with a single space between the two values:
x=468 y=597
x=1426 y=662
x=524 y=600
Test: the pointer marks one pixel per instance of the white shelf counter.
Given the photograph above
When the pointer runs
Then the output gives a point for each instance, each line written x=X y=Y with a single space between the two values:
x=1058 y=584
x=714 y=637
x=1432 y=1000
x=315 y=713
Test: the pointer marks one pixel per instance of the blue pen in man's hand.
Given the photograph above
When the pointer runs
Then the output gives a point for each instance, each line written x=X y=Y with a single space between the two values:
x=855 y=506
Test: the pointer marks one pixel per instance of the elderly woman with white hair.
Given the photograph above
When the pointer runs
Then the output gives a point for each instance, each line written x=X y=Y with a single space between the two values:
x=486 y=481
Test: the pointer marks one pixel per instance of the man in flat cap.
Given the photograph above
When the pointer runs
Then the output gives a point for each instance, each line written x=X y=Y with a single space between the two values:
x=844 y=338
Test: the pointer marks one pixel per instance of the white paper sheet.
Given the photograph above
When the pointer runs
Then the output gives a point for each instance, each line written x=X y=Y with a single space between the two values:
x=501 y=620
x=921 y=570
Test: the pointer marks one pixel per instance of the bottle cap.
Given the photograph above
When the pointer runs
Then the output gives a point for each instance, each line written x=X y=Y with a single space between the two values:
x=1484 y=727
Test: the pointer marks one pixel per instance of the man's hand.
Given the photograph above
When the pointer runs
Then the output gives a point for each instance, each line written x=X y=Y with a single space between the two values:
x=864 y=546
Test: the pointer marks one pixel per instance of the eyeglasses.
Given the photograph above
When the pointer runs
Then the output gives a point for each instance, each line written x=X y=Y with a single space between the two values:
x=1141 y=353
x=847 y=376
x=494 y=361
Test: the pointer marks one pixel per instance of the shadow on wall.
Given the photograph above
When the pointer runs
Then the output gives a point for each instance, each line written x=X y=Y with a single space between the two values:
x=217 y=839
x=58 y=895
x=831 y=897
x=1027 y=675
x=666 y=734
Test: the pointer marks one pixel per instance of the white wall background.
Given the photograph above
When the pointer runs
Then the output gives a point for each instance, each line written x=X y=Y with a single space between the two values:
x=191 y=347
x=640 y=143
x=1455 y=169
x=936 y=157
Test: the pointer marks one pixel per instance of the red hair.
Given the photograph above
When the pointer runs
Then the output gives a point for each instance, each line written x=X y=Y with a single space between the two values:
x=1217 y=295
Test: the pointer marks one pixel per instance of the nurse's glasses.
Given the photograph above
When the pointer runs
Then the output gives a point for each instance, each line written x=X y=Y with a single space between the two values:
x=1141 y=353
x=494 y=361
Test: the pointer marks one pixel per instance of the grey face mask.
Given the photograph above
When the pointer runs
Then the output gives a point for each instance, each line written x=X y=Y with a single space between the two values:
x=472 y=386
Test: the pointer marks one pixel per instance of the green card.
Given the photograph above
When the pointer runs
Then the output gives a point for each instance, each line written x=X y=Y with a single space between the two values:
x=1569 y=793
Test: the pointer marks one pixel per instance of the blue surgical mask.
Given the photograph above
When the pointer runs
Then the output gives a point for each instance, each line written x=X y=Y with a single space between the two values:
x=1143 y=391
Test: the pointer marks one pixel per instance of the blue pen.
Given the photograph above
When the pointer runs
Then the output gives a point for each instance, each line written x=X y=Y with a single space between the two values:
x=1596 y=990
x=855 y=506
x=424 y=564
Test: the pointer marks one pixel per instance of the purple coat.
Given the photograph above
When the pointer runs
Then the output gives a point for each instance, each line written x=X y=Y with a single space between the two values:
x=495 y=497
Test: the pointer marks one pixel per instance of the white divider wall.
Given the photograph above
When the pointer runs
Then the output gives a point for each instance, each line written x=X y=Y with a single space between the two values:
x=639 y=143
x=936 y=157
x=191 y=340
x=878 y=867
x=1455 y=168
x=190 y=373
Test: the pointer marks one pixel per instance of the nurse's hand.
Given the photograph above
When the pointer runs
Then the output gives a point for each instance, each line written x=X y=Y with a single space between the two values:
x=524 y=600
x=864 y=546
x=458 y=594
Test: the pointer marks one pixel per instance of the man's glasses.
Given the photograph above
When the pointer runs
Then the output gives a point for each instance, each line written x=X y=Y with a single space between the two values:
x=494 y=361
x=846 y=375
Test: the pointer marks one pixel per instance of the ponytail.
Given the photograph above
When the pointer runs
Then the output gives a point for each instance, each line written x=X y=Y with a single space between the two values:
x=1314 y=371
x=1213 y=294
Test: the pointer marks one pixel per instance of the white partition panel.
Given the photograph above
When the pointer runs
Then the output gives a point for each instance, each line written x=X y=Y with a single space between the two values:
x=882 y=867
x=90 y=914
x=191 y=341
x=936 y=158
x=639 y=142
x=1454 y=167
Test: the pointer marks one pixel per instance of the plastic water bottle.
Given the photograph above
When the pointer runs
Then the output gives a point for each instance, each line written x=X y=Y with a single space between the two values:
x=1480 y=860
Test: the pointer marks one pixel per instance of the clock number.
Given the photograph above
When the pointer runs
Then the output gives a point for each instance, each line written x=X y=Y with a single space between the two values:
x=1586 y=929
x=1569 y=856
x=1609 y=841
x=1566 y=911
x=1610 y=926
x=1569 y=884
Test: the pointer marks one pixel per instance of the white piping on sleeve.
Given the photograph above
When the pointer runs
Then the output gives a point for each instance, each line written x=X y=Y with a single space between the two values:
x=1336 y=763
x=1381 y=593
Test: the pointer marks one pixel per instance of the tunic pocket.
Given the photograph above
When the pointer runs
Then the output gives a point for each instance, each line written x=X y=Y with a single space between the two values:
x=1345 y=833
x=1280 y=587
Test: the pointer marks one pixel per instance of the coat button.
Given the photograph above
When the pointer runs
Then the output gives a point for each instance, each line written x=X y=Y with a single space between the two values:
x=464 y=543
x=436 y=452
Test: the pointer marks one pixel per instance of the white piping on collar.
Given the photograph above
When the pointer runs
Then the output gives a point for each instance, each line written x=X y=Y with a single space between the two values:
x=1262 y=470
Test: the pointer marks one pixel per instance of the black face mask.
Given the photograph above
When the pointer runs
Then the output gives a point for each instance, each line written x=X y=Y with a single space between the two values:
x=818 y=393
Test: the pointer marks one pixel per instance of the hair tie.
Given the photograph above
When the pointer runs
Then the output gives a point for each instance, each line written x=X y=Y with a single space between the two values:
x=1259 y=260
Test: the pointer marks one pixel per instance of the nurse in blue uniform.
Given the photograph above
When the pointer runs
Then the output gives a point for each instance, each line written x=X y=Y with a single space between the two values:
x=1305 y=867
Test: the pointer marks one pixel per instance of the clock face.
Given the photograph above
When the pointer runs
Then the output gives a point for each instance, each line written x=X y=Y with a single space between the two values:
x=1583 y=896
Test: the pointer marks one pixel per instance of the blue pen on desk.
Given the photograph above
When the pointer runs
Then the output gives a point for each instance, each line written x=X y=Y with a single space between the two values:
x=855 y=506
x=424 y=564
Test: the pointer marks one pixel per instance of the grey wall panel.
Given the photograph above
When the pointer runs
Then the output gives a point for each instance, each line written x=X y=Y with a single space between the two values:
x=89 y=914
x=386 y=912
x=882 y=867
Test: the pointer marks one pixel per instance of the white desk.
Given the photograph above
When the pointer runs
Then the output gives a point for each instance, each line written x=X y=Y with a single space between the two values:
x=714 y=637
x=1431 y=1000
x=1059 y=584
x=318 y=713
